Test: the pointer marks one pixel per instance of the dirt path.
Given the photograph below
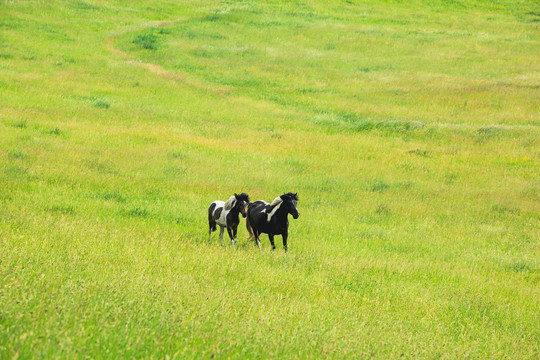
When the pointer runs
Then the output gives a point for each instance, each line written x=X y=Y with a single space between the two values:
x=154 y=68
x=157 y=69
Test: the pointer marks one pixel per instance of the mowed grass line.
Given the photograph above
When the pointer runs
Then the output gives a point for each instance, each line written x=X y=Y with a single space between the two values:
x=413 y=241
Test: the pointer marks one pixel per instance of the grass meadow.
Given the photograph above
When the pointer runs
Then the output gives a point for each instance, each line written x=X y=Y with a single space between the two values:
x=410 y=131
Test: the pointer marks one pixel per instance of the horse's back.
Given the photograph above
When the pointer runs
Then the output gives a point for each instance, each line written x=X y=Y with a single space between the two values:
x=219 y=213
x=215 y=205
x=257 y=204
x=218 y=203
x=257 y=212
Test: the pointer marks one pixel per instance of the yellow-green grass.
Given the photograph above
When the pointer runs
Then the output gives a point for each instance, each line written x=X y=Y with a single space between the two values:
x=409 y=130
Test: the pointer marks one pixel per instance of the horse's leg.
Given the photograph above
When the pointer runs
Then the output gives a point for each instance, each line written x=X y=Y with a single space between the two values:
x=256 y=234
x=235 y=231
x=229 y=230
x=285 y=236
x=210 y=231
x=222 y=229
x=271 y=237
x=250 y=231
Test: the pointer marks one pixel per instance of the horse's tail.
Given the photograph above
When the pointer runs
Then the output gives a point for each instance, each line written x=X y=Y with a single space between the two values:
x=249 y=229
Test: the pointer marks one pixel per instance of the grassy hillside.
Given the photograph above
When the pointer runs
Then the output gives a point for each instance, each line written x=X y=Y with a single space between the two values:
x=410 y=131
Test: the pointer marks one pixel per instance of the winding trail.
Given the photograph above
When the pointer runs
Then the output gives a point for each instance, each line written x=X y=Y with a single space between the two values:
x=157 y=69
x=154 y=68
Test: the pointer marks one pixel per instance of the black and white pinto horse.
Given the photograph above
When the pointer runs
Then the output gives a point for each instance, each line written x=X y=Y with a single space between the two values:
x=225 y=214
x=271 y=219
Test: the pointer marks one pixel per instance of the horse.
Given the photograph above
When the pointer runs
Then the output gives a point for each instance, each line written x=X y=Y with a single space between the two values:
x=272 y=219
x=225 y=214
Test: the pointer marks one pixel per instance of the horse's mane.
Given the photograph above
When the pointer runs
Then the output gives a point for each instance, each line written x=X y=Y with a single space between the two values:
x=277 y=201
x=287 y=196
x=229 y=204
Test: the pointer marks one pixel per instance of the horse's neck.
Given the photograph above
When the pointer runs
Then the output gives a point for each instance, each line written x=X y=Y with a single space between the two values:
x=280 y=212
x=234 y=211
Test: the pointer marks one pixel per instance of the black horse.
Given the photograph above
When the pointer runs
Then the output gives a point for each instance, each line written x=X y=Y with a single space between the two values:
x=271 y=219
x=225 y=214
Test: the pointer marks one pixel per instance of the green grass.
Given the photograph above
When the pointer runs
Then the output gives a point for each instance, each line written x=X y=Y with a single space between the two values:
x=409 y=130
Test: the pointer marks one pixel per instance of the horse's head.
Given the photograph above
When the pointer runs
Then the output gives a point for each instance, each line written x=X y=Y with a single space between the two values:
x=289 y=203
x=242 y=202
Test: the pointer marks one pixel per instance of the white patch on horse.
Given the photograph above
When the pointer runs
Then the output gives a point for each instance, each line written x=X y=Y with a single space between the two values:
x=265 y=203
x=276 y=201
x=274 y=211
x=222 y=220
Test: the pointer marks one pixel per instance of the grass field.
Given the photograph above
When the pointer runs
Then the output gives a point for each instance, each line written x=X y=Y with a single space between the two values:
x=410 y=131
